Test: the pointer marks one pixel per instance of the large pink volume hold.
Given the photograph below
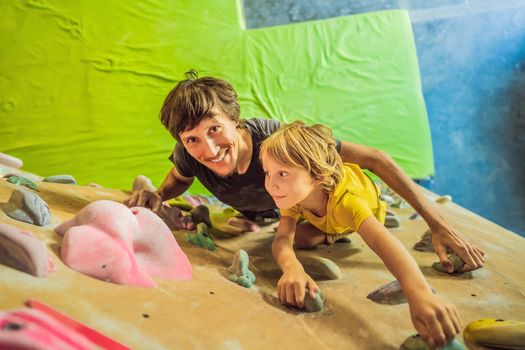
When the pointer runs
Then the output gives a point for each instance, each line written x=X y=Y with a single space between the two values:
x=114 y=243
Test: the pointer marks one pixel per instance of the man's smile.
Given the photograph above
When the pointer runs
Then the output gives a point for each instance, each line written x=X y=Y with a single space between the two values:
x=220 y=156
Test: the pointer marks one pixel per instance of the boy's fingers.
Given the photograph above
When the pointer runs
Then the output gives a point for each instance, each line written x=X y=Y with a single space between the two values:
x=290 y=296
x=441 y=252
x=448 y=327
x=279 y=292
x=478 y=260
x=457 y=320
x=424 y=333
x=299 y=294
x=436 y=332
x=313 y=289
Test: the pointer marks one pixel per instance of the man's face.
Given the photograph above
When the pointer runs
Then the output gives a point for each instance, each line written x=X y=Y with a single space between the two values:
x=214 y=143
x=288 y=185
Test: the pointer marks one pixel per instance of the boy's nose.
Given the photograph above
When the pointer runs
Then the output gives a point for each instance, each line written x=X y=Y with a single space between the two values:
x=271 y=184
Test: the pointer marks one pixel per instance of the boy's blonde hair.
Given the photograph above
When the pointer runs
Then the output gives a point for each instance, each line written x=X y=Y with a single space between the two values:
x=310 y=147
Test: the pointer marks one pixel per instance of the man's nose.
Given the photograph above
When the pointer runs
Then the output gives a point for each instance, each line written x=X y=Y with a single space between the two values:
x=211 y=148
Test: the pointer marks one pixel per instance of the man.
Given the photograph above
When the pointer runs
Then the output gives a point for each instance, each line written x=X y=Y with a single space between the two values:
x=222 y=151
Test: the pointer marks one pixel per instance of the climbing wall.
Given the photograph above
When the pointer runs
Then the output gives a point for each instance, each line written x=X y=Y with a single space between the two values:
x=210 y=311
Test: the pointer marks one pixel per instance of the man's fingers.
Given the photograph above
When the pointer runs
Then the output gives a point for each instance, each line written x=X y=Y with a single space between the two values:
x=131 y=201
x=156 y=206
x=143 y=200
x=244 y=224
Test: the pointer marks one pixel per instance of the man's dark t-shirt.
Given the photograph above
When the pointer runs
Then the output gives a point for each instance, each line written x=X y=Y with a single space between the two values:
x=245 y=192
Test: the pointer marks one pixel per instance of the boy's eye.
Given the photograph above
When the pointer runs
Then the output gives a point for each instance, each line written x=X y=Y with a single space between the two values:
x=283 y=173
x=215 y=128
x=191 y=139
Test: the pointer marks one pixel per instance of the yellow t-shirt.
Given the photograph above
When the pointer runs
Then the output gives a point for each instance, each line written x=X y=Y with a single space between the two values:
x=354 y=199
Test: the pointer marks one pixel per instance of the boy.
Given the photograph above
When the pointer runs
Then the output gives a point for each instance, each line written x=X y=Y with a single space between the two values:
x=307 y=179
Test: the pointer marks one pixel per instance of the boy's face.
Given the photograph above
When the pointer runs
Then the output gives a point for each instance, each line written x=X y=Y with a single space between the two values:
x=288 y=185
x=214 y=143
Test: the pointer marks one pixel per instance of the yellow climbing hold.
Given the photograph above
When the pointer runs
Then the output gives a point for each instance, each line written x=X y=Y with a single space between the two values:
x=490 y=332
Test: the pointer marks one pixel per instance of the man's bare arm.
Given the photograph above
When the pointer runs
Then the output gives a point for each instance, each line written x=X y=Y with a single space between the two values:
x=381 y=164
x=173 y=186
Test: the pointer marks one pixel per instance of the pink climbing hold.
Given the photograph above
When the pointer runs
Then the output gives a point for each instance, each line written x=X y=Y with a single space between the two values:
x=33 y=329
x=114 y=243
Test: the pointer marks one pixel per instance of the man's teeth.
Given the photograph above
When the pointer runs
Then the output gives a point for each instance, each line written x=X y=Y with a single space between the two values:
x=220 y=158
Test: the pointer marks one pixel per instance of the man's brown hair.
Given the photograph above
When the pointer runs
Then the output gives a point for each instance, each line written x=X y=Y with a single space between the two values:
x=193 y=99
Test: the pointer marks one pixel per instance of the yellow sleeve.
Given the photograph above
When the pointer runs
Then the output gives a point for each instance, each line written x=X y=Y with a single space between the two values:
x=352 y=210
x=293 y=212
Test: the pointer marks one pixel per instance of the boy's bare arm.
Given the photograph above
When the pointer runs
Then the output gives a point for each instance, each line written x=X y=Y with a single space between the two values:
x=173 y=185
x=381 y=164
x=292 y=284
x=435 y=319
x=282 y=246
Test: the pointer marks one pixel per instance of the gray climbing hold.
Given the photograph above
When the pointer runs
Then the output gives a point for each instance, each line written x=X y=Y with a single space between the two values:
x=400 y=203
x=239 y=269
x=414 y=216
x=199 y=214
x=320 y=267
x=388 y=199
x=313 y=305
x=27 y=206
x=23 y=251
x=415 y=342
x=425 y=244
x=61 y=179
x=390 y=294
x=392 y=221
x=457 y=263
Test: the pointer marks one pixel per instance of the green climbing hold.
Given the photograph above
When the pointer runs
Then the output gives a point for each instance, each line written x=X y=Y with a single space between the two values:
x=314 y=305
x=239 y=269
x=23 y=181
x=201 y=238
x=415 y=342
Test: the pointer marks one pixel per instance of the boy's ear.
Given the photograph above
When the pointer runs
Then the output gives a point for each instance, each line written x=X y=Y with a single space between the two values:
x=317 y=180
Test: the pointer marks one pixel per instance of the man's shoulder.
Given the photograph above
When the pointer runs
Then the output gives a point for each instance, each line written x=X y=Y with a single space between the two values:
x=262 y=126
